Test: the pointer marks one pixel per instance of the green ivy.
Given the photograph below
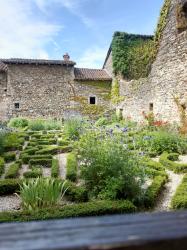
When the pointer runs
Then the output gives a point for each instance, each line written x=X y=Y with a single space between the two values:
x=115 y=93
x=133 y=55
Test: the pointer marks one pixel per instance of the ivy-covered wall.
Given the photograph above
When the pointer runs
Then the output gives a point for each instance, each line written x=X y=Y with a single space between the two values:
x=133 y=55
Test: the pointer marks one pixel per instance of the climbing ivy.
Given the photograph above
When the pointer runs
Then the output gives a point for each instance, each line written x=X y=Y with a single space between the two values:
x=133 y=55
x=115 y=93
x=161 y=26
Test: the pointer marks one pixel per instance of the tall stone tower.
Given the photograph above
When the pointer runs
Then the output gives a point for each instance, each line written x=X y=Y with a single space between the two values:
x=165 y=90
x=168 y=77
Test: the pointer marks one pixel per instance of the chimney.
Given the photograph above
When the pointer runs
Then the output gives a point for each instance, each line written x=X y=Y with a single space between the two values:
x=66 y=57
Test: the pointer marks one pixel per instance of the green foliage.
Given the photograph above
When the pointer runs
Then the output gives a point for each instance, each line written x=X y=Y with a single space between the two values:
x=101 y=121
x=2 y=139
x=76 y=193
x=154 y=190
x=34 y=173
x=115 y=92
x=72 y=128
x=96 y=208
x=18 y=122
x=108 y=169
x=167 y=161
x=41 y=193
x=13 y=171
x=55 y=168
x=9 y=186
x=13 y=141
x=48 y=150
x=39 y=125
x=160 y=141
x=132 y=55
x=161 y=26
x=179 y=200
x=9 y=156
x=71 y=167
x=44 y=162
x=2 y=166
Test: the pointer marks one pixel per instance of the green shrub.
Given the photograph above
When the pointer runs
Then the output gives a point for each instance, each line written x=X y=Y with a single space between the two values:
x=26 y=158
x=36 y=125
x=34 y=173
x=96 y=208
x=71 y=167
x=39 y=125
x=63 y=142
x=30 y=151
x=179 y=200
x=13 y=142
x=2 y=166
x=13 y=171
x=44 y=162
x=48 y=150
x=174 y=166
x=55 y=168
x=76 y=193
x=72 y=128
x=9 y=156
x=101 y=121
x=9 y=186
x=41 y=193
x=109 y=170
x=154 y=190
x=18 y=122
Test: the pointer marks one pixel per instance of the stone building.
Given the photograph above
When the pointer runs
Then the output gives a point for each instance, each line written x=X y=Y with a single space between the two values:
x=164 y=90
x=51 y=88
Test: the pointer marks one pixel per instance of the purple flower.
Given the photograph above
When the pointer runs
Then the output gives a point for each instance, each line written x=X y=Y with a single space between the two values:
x=124 y=130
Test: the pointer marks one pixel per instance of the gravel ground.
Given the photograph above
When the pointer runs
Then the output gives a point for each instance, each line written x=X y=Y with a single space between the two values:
x=9 y=203
x=7 y=165
x=23 y=169
x=46 y=172
x=62 y=162
x=163 y=203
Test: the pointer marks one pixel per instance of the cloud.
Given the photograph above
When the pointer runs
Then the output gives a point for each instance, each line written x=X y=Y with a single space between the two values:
x=75 y=7
x=21 y=33
x=93 y=57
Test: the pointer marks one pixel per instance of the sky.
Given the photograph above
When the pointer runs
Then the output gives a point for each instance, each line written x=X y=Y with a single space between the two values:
x=47 y=29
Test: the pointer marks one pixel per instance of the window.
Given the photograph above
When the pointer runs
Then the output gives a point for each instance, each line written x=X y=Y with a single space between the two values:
x=150 y=106
x=16 y=105
x=92 y=100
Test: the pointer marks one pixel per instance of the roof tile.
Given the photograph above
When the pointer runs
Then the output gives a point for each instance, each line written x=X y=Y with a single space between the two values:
x=91 y=74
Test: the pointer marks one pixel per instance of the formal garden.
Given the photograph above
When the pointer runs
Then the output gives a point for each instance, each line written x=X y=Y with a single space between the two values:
x=51 y=169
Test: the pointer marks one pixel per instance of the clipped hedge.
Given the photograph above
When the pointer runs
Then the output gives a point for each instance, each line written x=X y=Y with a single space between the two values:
x=154 y=191
x=26 y=158
x=166 y=160
x=45 y=162
x=2 y=166
x=9 y=156
x=13 y=171
x=179 y=200
x=55 y=168
x=71 y=167
x=9 y=186
x=48 y=150
x=34 y=173
x=95 y=208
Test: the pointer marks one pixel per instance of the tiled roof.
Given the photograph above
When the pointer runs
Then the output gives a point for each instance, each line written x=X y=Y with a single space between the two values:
x=91 y=74
x=37 y=61
x=3 y=67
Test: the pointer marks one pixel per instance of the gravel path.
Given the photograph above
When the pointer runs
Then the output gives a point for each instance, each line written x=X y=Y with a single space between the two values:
x=9 y=203
x=46 y=172
x=23 y=169
x=163 y=203
x=7 y=165
x=62 y=158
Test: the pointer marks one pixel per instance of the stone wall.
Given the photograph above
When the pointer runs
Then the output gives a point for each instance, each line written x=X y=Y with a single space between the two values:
x=108 y=65
x=49 y=91
x=167 y=80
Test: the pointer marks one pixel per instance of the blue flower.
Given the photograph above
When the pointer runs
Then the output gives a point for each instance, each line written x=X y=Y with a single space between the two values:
x=147 y=138
x=124 y=130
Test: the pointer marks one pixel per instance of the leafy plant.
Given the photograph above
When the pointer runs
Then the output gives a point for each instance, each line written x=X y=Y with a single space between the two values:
x=72 y=128
x=18 y=122
x=109 y=170
x=41 y=193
